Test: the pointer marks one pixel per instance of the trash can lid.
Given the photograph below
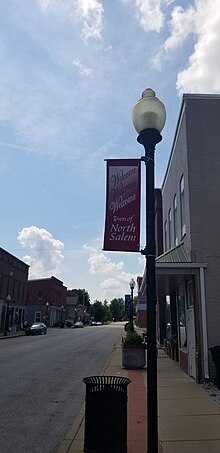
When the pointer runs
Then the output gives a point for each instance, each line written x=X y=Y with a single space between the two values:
x=109 y=380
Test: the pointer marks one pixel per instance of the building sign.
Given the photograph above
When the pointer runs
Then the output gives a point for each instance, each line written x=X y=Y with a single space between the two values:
x=142 y=302
x=122 y=221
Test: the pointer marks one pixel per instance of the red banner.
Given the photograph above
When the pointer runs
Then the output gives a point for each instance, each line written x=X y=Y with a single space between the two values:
x=122 y=219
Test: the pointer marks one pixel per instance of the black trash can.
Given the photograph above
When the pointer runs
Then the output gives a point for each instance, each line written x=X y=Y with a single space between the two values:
x=106 y=414
x=215 y=351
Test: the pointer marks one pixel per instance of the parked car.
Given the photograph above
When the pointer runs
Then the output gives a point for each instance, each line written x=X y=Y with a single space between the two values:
x=38 y=328
x=78 y=324
x=96 y=323
x=69 y=323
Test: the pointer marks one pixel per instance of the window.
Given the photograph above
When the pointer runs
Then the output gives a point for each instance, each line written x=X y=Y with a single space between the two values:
x=165 y=236
x=182 y=207
x=175 y=220
x=169 y=228
x=37 y=316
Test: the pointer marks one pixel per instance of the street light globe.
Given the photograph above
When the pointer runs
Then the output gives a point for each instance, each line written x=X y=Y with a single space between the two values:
x=149 y=112
x=132 y=283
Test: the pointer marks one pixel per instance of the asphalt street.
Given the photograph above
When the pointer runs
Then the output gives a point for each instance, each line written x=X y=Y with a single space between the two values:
x=41 y=384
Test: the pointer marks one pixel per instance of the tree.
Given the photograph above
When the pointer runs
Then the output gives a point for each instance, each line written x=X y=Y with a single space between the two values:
x=117 y=309
x=108 y=314
x=82 y=294
x=98 y=311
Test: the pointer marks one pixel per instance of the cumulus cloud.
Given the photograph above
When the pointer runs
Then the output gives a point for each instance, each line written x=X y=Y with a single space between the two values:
x=202 y=72
x=203 y=21
x=100 y=264
x=46 y=257
x=149 y=13
x=115 y=281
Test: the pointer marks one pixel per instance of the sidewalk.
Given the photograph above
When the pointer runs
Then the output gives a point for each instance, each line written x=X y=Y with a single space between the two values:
x=12 y=334
x=188 y=418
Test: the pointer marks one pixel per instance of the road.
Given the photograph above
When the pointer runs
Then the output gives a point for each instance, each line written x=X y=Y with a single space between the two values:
x=41 y=384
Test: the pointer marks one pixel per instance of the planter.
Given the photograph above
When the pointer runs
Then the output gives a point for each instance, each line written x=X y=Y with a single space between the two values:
x=133 y=358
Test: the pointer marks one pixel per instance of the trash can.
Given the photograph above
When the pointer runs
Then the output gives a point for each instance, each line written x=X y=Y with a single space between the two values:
x=215 y=351
x=106 y=414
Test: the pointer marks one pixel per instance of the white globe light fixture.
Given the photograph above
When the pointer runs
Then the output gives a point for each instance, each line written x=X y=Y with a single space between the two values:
x=149 y=116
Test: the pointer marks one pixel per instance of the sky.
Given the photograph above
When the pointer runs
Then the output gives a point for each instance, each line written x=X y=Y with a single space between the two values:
x=71 y=72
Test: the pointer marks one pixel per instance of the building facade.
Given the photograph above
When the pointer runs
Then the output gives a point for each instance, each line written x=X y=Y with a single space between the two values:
x=188 y=283
x=13 y=291
x=46 y=301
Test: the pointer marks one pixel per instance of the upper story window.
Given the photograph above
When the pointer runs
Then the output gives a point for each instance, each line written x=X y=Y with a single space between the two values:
x=175 y=228
x=182 y=206
x=165 y=235
x=169 y=229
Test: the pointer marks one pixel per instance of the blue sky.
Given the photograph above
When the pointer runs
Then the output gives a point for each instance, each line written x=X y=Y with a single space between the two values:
x=71 y=72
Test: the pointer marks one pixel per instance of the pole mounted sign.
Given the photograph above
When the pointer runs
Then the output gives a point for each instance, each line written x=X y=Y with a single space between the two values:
x=122 y=221
x=128 y=305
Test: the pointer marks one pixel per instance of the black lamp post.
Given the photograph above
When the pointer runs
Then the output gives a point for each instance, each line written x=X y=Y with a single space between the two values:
x=149 y=116
x=7 y=316
x=132 y=285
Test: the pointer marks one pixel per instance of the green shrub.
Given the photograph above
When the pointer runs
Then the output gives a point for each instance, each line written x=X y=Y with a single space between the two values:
x=132 y=340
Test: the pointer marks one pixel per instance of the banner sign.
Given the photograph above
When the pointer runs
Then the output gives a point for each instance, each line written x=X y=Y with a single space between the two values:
x=122 y=219
x=127 y=304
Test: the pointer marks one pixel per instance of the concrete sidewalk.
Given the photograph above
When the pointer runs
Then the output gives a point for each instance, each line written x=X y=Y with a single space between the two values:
x=189 y=420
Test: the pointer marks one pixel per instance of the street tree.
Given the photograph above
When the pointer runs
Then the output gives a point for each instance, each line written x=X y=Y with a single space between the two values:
x=117 y=309
x=98 y=311
x=82 y=294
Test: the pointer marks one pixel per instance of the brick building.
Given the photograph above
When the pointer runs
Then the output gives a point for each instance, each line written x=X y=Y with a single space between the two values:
x=46 y=301
x=13 y=291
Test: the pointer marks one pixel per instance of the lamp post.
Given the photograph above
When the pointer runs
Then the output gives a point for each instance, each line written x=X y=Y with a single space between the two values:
x=7 y=316
x=61 y=321
x=47 y=311
x=132 y=285
x=149 y=116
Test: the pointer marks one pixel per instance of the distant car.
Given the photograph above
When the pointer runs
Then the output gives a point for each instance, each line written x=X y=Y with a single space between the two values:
x=38 y=328
x=68 y=323
x=96 y=323
x=78 y=324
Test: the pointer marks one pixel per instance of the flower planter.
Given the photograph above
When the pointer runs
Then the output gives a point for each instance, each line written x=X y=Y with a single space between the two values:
x=133 y=358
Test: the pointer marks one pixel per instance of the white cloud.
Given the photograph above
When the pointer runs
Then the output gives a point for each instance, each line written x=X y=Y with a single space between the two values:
x=149 y=13
x=46 y=257
x=203 y=67
x=83 y=70
x=91 y=12
x=202 y=73
x=116 y=280
x=100 y=264
x=182 y=24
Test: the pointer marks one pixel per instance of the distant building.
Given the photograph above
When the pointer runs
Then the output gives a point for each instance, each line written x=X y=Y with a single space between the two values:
x=76 y=311
x=46 y=301
x=13 y=291
x=71 y=304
